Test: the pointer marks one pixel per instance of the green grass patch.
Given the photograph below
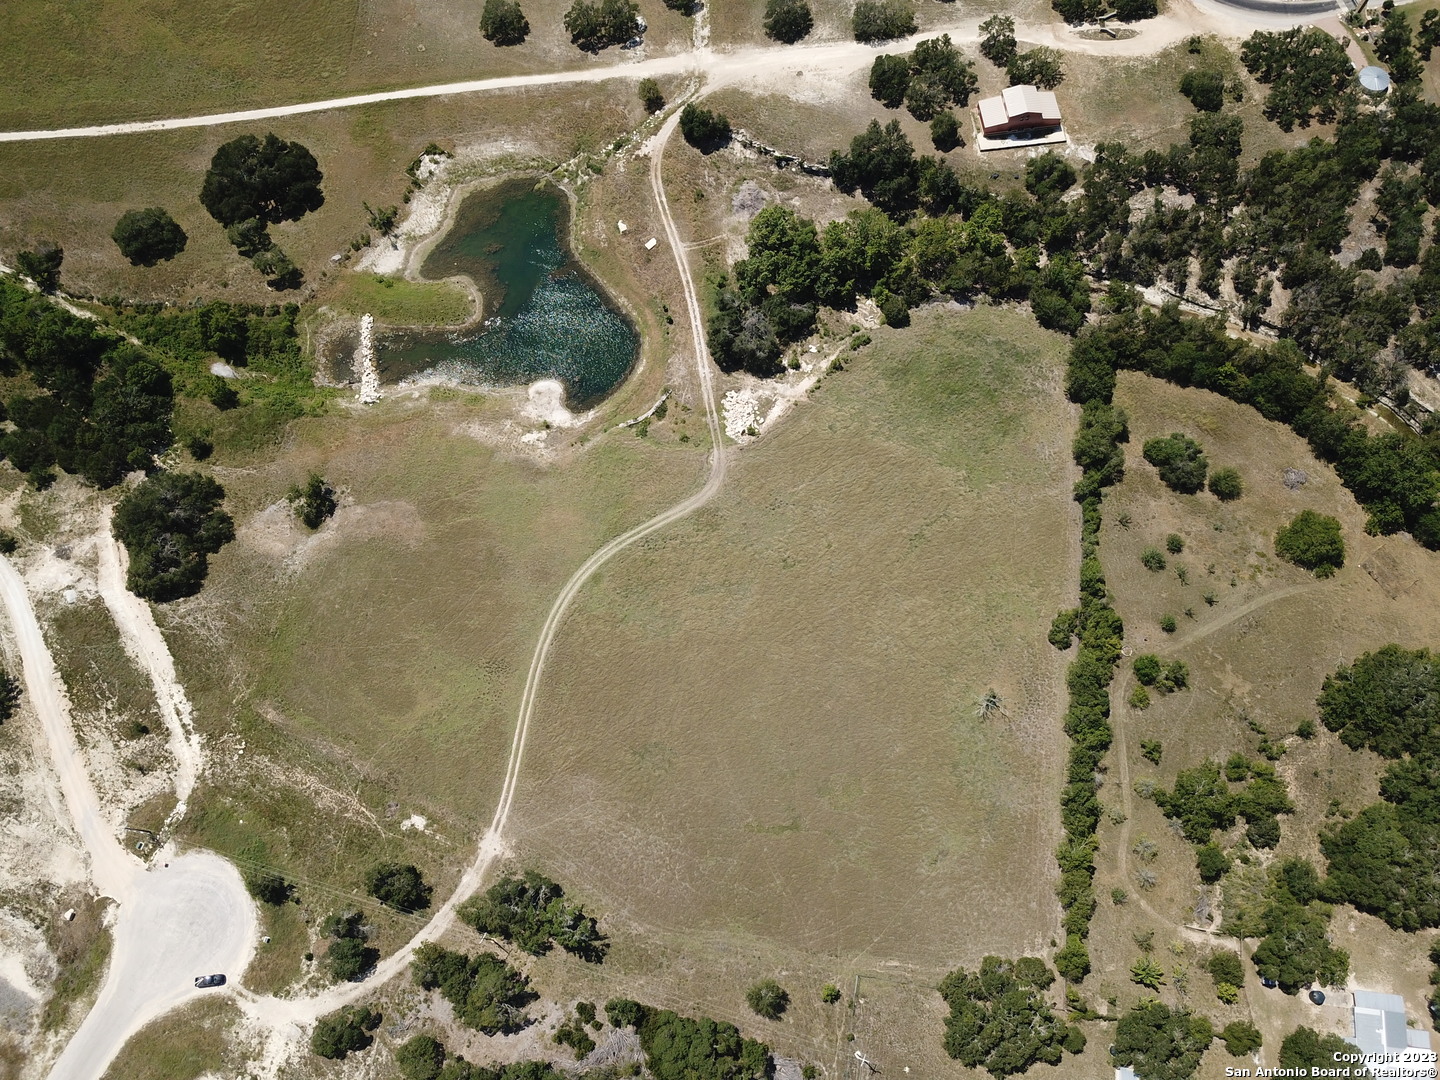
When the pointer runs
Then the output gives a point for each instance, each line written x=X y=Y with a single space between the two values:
x=82 y=947
x=180 y=1046
x=400 y=302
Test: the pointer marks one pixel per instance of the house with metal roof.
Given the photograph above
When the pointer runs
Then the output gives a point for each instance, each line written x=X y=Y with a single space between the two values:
x=1380 y=1025
x=1019 y=109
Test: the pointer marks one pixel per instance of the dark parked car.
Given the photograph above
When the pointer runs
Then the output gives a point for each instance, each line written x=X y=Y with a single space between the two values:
x=1316 y=997
x=1269 y=984
x=203 y=981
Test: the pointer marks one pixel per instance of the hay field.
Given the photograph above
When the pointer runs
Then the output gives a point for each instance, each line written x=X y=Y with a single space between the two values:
x=1259 y=653
x=756 y=747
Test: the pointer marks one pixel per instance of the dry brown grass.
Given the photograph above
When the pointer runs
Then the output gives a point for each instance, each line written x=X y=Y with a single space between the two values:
x=757 y=742
x=1261 y=652
x=182 y=1045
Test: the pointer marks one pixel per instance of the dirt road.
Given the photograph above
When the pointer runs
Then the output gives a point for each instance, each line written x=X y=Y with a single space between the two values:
x=832 y=59
x=145 y=644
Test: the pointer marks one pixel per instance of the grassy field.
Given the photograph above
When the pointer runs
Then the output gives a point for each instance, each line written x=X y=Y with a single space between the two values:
x=399 y=302
x=182 y=1045
x=73 y=193
x=369 y=672
x=1257 y=656
x=112 y=60
x=757 y=748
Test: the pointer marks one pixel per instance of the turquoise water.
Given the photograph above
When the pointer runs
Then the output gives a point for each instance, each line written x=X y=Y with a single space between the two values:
x=544 y=316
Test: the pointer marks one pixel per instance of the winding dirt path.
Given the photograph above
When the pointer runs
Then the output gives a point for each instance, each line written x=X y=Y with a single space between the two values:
x=287 y=1018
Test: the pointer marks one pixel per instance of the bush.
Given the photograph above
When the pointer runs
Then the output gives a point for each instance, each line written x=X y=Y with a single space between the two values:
x=344 y=1032
x=1174 y=544
x=1225 y=484
x=170 y=524
x=788 y=21
x=1168 y=624
x=267 y=887
x=1205 y=89
x=1038 y=67
x=349 y=958
x=882 y=20
x=313 y=504
x=1212 y=864
x=420 y=1058
x=1152 y=559
x=767 y=999
x=1139 y=698
x=704 y=129
x=1313 y=541
x=1147 y=669
x=1241 y=1037
x=502 y=23
x=1225 y=967
x=651 y=96
x=149 y=236
x=398 y=886
x=997 y=42
x=830 y=994
x=1152 y=750
x=1179 y=459
x=945 y=132
x=41 y=265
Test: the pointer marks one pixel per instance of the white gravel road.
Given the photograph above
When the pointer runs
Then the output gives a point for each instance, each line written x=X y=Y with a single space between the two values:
x=192 y=917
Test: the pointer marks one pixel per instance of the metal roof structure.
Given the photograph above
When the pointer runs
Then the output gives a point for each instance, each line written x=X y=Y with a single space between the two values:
x=1375 y=79
x=1380 y=1025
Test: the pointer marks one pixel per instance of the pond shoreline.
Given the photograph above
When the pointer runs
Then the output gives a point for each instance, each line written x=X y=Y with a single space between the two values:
x=566 y=323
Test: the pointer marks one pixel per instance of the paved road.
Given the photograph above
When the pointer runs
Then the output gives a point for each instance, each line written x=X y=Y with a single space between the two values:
x=190 y=918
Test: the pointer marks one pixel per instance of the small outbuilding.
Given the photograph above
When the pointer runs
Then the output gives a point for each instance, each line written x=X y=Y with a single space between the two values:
x=1375 y=80
x=1017 y=109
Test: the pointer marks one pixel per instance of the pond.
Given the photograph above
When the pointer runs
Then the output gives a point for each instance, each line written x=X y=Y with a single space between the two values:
x=544 y=318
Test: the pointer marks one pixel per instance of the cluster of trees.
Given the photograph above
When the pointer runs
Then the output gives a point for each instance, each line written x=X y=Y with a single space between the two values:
x=1307 y=72
x=1100 y=632
x=398 y=886
x=170 y=525
x=254 y=183
x=1306 y=1048
x=503 y=23
x=263 y=337
x=787 y=21
x=1294 y=949
x=597 y=24
x=1228 y=972
x=102 y=406
x=882 y=20
x=1204 y=88
x=1386 y=859
x=1313 y=541
x=1394 y=476
x=314 y=502
x=928 y=81
x=424 y=1057
x=1202 y=800
x=148 y=236
x=349 y=956
x=1161 y=1043
x=486 y=993
x=572 y=1032
x=999 y=1019
x=345 y=1032
x=1151 y=671
x=1179 y=460
x=681 y=1048
x=531 y=910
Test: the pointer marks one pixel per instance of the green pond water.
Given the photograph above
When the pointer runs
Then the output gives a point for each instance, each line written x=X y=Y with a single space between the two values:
x=544 y=316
